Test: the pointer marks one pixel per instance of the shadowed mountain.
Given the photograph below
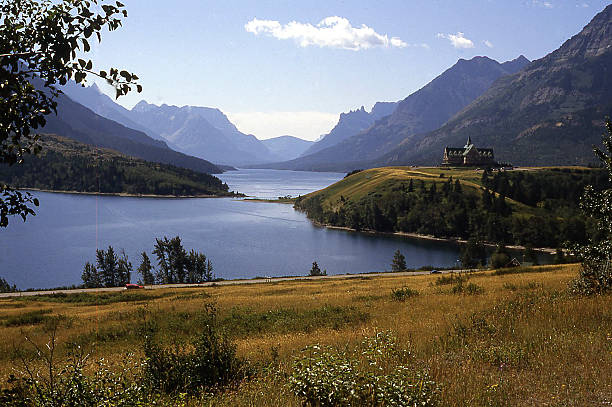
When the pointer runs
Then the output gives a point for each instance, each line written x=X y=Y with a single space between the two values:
x=550 y=113
x=424 y=110
x=352 y=123
x=77 y=122
x=287 y=147
x=102 y=104
x=203 y=132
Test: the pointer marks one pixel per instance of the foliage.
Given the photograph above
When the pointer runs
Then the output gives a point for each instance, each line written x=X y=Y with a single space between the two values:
x=500 y=257
x=469 y=288
x=5 y=287
x=68 y=385
x=67 y=165
x=145 y=270
x=207 y=362
x=399 y=262
x=315 y=270
x=110 y=270
x=596 y=256
x=402 y=294
x=473 y=254
x=39 y=42
x=175 y=265
x=450 y=278
x=377 y=373
x=544 y=210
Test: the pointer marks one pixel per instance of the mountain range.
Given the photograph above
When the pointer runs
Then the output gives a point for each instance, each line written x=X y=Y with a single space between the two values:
x=75 y=121
x=352 y=123
x=549 y=113
x=424 y=110
x=288 y=147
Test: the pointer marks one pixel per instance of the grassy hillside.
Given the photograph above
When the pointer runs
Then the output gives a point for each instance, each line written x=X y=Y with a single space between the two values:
x=515 y=339
x=68 y=165
x=537 y=206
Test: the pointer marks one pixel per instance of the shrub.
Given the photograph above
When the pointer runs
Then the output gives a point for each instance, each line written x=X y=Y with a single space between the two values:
x=207 y=362
x=402 y=294
x=65 y=384
x=469 y=289
x=450 y=278
x=376 y=373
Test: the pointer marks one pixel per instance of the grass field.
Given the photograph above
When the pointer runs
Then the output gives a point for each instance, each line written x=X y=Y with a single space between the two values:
x=500 y=339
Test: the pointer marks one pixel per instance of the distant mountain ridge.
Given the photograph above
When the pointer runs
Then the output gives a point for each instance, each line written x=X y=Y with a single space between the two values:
x=75 y=121
x=202 y=131
x=287 y=147
x=424 y=110
x=550 y=113
x=352 y=123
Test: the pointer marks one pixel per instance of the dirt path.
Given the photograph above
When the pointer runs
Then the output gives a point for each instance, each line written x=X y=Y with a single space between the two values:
x=218 y=283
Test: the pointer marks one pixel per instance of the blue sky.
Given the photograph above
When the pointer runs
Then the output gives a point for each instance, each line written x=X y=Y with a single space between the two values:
x=275 y=77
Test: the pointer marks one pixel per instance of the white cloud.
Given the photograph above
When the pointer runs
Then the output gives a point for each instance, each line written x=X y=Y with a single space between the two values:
x=488 y=43
x=331 y=32
x=582 y=5
x=545 y=4
x=457 y=40
x=264 y=125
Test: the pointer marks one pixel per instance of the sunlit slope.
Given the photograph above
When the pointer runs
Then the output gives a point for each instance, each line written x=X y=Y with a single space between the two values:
x=376 y=182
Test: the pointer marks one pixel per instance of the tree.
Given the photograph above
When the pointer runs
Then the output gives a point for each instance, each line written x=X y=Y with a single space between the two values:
x=39 y=43
x=315 y=270
x=146 y=270
x=91 y=276
x=178 y=266
x=5 y=287
x=110 y=270
x=473 y=254
x=596 y=256
x=399 y=262
x=500 y=257
x=530 y=255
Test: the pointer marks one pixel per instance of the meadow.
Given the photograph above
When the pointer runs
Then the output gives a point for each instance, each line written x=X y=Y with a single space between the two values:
x=490 y=338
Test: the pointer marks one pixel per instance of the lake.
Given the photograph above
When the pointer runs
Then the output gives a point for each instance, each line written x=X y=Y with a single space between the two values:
x=243 y=239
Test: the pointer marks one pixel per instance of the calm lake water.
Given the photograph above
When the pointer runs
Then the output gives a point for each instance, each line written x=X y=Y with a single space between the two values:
x=243 y=239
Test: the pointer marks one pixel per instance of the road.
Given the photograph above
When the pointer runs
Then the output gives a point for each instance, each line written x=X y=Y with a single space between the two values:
x=220 y=283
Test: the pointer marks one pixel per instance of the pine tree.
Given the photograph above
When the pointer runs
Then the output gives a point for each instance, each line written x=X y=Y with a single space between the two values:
x=315 y=270
x=91 y=277
x=399 y=262
x=146 y=270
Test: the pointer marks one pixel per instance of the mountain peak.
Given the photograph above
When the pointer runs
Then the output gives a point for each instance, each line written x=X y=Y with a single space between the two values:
x=142 y=106
x=594 y=40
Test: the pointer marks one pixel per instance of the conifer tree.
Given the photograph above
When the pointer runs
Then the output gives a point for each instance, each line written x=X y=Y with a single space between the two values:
x=146 y=270
x=399 y=262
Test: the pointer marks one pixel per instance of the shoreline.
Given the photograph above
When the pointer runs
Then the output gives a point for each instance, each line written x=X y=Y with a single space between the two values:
x=128 y=195
x=547 y=250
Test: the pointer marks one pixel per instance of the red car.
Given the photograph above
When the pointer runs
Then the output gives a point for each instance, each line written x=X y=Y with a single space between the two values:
x=133 y=286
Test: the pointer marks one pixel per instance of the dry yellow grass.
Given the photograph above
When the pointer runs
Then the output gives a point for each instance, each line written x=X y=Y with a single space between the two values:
x=523 y=341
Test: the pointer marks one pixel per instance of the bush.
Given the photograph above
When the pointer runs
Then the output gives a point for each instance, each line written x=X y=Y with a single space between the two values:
x=469 y=289
x=65 y=384
x=402 y=294
x=207 y=362
x=450 y=278
x=377 y=373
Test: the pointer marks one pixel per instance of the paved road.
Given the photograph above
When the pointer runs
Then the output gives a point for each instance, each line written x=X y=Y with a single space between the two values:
x=218 y=283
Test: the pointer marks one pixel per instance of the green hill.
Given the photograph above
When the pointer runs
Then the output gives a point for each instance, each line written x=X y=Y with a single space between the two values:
x=68 y=165
x=536 y=206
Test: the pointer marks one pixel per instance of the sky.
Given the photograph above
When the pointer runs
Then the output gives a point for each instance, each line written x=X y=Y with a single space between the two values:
x=291 y=67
